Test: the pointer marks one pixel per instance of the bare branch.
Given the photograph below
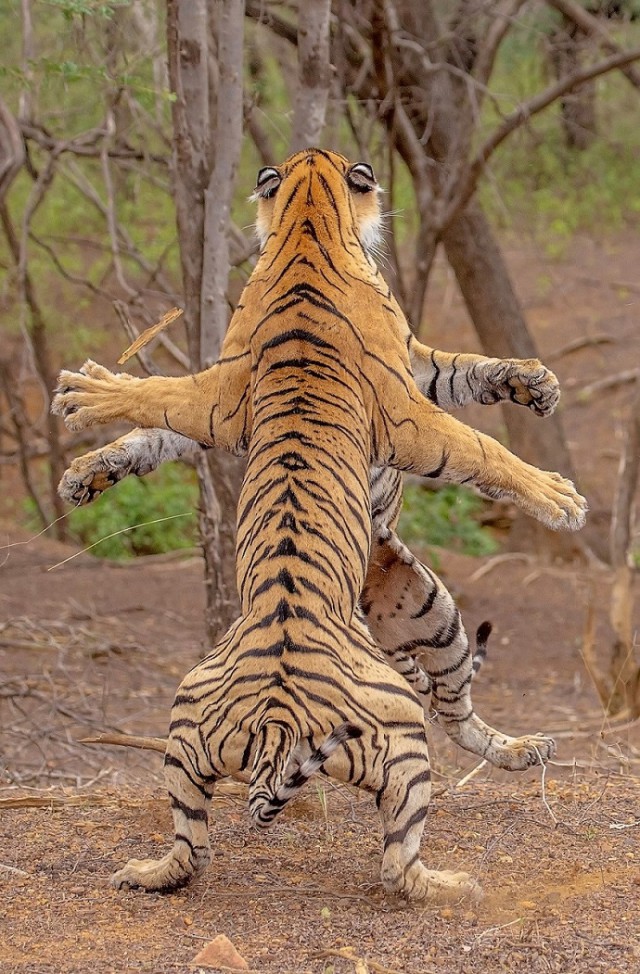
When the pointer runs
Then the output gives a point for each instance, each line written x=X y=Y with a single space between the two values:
x=522 y=114
x=609 y=382
x=80 y=181
x=127 y=740
x=28 y=57
x=12 y=155
x=112 y=223
x=133 y=334
x=86 y=145
x=594 y=28
x=258 y=11
x=503 y=18
x=122 y=310
x=256 y=131
x=314 y=73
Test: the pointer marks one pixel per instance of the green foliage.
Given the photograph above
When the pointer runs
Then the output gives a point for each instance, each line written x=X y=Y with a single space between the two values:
x=447 y=518
x=170 y=492
x=86 y=8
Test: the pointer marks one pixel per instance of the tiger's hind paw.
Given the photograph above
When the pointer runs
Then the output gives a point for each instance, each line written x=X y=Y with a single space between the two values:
x=440 y=886
x=520 y=753
x=161 y=875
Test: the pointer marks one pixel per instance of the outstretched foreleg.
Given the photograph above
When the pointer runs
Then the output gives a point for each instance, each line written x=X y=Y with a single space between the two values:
x=192 y=405
x=428 y=442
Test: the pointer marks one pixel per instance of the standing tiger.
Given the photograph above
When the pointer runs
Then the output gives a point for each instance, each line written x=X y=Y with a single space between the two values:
x=314 y=383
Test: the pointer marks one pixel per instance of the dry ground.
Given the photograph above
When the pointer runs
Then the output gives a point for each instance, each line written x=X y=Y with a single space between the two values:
x=91 y=646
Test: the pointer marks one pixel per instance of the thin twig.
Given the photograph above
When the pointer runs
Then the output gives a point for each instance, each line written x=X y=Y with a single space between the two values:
x=128 y=740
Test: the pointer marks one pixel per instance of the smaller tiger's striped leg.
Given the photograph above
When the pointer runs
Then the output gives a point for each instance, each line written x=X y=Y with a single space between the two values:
x=138 y=452
x=409 y=612
x=190 y=795
x=403 y=802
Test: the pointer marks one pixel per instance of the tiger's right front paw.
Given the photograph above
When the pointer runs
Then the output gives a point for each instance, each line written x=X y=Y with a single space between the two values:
x=91 y=396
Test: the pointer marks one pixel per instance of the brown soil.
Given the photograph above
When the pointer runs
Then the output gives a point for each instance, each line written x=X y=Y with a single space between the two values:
x=91 y=646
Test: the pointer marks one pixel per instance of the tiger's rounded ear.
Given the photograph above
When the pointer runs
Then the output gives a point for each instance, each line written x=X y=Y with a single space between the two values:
x=361 y=178
x=267 y=182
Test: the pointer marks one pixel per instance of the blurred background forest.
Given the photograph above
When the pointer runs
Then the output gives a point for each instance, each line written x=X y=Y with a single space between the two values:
x=505 y=134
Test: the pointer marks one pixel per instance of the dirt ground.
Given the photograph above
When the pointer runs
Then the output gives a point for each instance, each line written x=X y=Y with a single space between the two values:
x=90 y=646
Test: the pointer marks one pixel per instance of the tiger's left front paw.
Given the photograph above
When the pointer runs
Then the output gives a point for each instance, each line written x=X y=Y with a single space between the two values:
x=89 y=397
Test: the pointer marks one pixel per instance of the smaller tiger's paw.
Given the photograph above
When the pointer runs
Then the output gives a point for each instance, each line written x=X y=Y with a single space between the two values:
x=520 y=753
x=88 y=397
x=533 y=385
x=91 y=474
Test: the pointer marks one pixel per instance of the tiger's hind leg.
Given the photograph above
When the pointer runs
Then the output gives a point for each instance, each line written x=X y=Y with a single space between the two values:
x=410 y=612
x=403 y=802
x=190 y=793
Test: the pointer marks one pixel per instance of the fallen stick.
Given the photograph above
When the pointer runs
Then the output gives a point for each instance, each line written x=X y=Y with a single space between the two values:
x=128 y=740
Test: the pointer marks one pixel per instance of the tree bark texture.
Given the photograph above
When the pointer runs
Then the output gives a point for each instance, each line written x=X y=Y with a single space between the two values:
x=207 y=122
x=314 y=74
x=218 y=195
x=624 y=665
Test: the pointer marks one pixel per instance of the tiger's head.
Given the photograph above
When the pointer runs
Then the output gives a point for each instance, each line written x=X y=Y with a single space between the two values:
x=322 y=181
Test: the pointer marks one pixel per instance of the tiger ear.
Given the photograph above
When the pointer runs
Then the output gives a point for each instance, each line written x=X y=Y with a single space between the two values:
x=267 y=182
x=361 y=178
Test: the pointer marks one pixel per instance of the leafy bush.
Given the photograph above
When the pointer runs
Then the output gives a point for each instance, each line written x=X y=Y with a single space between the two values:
x=447 y=518
x=139 y=508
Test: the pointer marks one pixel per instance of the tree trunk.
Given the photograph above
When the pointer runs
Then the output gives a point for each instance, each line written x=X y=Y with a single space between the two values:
x=624 y=664
x=46 y=373
x=499 y=321
x=206 y=143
